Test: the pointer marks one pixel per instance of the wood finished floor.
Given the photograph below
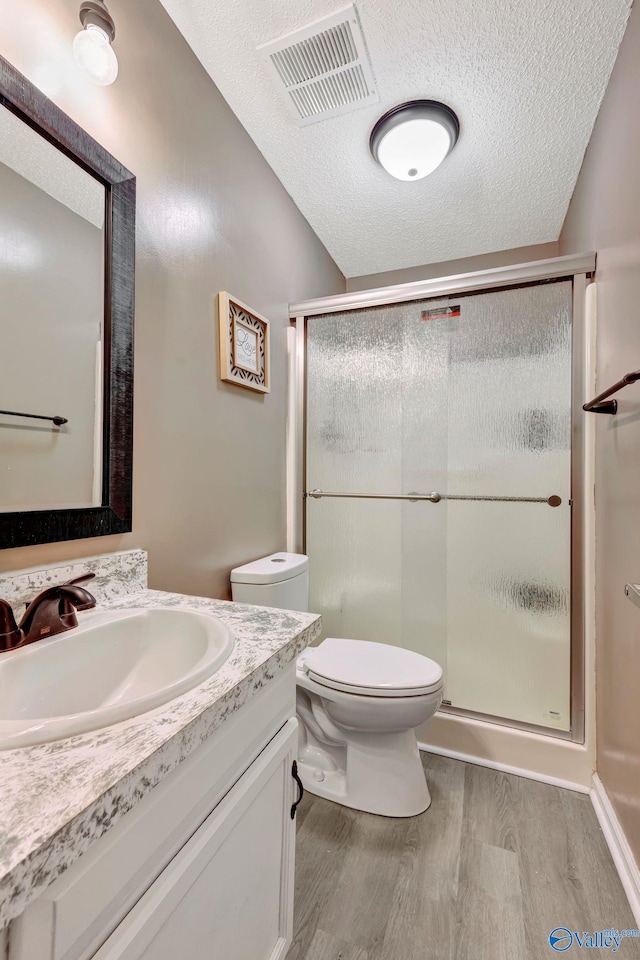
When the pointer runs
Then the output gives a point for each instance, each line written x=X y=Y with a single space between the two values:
x=486 y=873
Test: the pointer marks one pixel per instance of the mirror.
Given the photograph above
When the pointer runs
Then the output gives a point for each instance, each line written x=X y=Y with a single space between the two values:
x=67 y=212
x=52 y=217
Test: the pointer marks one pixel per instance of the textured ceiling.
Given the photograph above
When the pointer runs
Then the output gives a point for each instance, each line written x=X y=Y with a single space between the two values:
x=526 y=78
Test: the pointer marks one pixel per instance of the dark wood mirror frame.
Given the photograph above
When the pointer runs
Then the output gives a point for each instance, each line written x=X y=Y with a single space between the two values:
x=114 y=516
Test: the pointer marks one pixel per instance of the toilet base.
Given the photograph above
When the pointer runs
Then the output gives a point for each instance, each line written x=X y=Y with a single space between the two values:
x=379 y=773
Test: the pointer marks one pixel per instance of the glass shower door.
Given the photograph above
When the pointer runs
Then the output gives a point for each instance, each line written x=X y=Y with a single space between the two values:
x=469 y=398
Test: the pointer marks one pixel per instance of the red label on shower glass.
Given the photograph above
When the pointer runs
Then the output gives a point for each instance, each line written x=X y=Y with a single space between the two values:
x=441 y=313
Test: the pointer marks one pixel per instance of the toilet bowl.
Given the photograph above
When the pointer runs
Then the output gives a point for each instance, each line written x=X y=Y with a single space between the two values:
x=358 y=703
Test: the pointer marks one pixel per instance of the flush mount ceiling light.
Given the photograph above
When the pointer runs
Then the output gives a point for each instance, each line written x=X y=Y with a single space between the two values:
x=411 y=140
x=92 y=46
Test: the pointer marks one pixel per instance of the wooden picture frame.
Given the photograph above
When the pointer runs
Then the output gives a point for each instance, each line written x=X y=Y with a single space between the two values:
x=244 y=346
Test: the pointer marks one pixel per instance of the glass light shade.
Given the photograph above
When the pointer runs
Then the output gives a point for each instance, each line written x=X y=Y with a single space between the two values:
x=412 y=150
x=94 y=53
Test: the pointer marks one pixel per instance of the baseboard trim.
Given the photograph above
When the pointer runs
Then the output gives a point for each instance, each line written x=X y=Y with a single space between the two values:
x=505 y=768
x=618 y=845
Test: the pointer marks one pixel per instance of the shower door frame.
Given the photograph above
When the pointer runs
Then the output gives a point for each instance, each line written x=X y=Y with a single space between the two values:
x=580 y=270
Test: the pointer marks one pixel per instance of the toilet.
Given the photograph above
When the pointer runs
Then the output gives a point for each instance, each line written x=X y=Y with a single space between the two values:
x=358 y=703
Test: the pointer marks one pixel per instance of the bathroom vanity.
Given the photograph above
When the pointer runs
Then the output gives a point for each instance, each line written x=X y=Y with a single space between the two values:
x=170 y=834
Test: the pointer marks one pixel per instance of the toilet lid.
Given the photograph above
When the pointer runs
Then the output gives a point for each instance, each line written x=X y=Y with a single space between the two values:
x=377 y=669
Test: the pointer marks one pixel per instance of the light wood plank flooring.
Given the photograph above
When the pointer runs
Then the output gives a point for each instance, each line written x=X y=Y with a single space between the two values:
x=486 y=873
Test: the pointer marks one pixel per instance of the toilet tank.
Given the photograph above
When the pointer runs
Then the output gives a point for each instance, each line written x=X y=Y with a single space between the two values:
x=280 y=580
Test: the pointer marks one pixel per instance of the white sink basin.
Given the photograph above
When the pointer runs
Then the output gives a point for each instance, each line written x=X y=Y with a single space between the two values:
x=114 y=665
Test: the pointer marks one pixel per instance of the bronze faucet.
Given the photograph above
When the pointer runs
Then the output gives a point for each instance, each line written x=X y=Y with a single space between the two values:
x=53 y=611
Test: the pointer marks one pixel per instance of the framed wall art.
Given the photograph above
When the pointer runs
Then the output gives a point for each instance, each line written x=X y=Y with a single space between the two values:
x=244 y=344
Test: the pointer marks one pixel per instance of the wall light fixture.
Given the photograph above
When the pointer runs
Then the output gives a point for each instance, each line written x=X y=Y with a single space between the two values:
x=92 y=45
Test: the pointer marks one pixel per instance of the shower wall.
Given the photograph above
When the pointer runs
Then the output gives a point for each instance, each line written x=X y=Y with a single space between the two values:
x=604 y=214
x=469 y=397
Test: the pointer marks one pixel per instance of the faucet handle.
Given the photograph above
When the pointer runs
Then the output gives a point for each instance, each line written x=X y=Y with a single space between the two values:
x=83 y=600
x=10 y=634
x=80 y=579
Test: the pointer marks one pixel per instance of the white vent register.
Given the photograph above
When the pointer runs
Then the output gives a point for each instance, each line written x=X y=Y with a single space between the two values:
x=323 y=70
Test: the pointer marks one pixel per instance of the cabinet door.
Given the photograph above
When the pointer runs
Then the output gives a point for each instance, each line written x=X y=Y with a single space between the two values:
x=228 y=894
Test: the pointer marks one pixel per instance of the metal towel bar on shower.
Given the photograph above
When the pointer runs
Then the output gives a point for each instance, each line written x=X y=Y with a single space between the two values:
x=552 y=501
x=610 y=406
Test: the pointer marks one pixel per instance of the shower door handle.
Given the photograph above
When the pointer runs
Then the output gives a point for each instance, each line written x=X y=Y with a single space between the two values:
x=413 y=497
x=553 y=501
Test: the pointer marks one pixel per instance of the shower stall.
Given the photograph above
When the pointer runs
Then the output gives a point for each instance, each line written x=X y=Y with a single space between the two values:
x=436 y=480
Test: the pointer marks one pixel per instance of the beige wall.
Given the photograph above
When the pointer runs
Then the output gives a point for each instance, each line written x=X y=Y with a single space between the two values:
x=605 y=215
x=448 y=268
x=209 y=465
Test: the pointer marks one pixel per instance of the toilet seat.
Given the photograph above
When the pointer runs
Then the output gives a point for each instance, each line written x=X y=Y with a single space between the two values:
x=371 y=669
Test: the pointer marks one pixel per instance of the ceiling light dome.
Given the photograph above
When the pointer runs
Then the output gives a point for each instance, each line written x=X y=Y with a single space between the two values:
x=411 y=140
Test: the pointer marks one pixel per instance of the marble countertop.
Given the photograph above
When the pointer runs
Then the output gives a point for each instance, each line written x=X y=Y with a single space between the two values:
x=58 y=798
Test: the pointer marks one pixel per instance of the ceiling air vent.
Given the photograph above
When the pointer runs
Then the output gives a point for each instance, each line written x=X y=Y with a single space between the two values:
x=323 y=70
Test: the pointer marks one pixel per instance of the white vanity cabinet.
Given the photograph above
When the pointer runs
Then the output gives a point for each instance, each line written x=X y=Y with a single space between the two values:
x=227 y=892
x=201 y=868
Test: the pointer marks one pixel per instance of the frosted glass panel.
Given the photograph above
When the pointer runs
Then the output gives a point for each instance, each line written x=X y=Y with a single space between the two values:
x=357 y=568
x=508 y=573
x=510 y=393
x=372 y=578
x=469 y=396
x=376 y=401
x=355 y=402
